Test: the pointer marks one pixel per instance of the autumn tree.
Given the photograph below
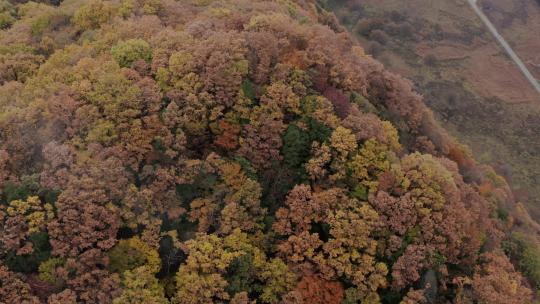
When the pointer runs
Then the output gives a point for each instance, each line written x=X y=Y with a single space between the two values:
x=127 y=52
x=315 y=290
x=343 y=245
x=496 y=281
x=141 y=286
x=212 y=270
x=22 y=219
x=13 y=289
x=233 y=203
x=93 y=15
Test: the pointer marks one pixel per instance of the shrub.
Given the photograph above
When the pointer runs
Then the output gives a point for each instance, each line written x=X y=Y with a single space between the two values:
x=430 y=60
x=380 y=36
x=6 y=20
x=203 y=2
x=527 y=254
x=40 y=24
x=7 y=14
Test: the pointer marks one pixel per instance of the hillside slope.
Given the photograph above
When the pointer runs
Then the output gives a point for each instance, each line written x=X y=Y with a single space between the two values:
x=476 y=92
x=232 y=151
x=517 y=20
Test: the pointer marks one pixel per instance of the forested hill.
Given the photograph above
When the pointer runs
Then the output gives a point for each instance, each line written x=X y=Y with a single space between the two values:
x=234 y=151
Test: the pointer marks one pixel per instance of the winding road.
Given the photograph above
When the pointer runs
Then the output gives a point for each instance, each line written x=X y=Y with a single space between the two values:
x=505 y=45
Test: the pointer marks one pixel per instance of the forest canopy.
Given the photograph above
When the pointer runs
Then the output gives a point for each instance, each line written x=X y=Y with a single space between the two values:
x=232 y=151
